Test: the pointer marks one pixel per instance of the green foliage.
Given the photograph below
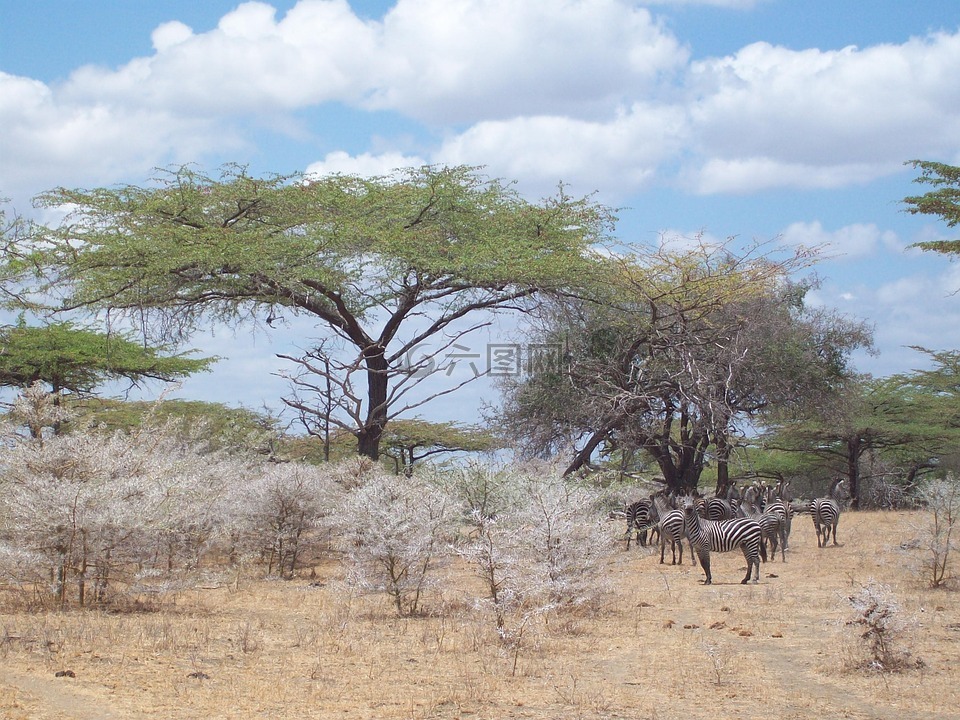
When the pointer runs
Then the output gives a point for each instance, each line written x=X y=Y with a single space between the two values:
x=682 y=347
x=942 y=202
x=408 y=442
x=910 y=419
x=212 y=424
x=193 y=244
x=369 y=258
x=78 y=360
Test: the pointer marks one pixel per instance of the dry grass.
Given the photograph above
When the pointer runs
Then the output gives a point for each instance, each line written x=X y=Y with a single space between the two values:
x=666 y=646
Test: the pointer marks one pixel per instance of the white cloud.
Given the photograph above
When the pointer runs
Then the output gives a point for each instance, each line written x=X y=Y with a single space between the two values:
x=467 y=60
x=851 y=242
x=51 y=141
x=596 y=93
x=615 y=157
x=169 y=34
x=366 y=165
x=773 y=117
x=918 y=308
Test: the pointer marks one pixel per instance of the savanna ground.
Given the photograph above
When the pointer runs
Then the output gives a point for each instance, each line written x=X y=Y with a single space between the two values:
x=664 y=646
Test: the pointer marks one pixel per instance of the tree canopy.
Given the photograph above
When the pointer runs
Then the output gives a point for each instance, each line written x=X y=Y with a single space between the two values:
x=909 y=422
x=687 y=345
x=410 y=441
x=386 y=264
x=76 y=359
x=942 y=202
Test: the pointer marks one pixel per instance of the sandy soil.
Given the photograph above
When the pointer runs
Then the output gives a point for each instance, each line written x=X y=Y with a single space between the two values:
x=665 y=646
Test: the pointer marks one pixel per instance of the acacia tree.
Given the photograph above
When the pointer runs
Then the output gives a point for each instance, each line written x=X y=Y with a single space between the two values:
x=910 y=418
x=408 y=442
x=77 y=360
x=386 y=264
x=690 y=344
x=943 y=201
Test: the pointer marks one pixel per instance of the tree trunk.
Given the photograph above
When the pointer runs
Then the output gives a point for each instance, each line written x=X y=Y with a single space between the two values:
x=723 y=465
x=368 y=437
x=581 y=459
x=854 y=448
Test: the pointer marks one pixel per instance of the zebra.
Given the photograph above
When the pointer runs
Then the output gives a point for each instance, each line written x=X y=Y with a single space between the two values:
x=826 y=514
x=672 y=529
x=717 y=508
x=778 y=500
x=724 y=536
x=640 y=518
x=772 y=527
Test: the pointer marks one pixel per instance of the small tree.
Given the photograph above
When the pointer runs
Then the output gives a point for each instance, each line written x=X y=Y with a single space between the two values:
x=408 y=442
x=878 y=619
x=396 y=530
x=278 y=507
x=936 y=539
x=541 y=553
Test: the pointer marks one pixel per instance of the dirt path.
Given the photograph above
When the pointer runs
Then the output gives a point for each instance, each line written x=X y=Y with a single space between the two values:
x=53 y=698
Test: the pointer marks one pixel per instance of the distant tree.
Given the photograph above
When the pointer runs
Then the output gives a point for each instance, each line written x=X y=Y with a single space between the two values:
x=690 y=343
x=78 y=360
x=407 y=442
x=387 y=265
x=217 y=425
x=943 y=202
x=911 y=418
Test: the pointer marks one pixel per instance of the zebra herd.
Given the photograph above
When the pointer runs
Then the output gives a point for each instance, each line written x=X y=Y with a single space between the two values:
x=759 y=517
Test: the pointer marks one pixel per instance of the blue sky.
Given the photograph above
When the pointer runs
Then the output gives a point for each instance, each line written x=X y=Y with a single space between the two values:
x=761 y=119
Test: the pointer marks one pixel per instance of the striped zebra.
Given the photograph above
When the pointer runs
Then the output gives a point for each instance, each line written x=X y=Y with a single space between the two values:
x=640 y=519
x=724 y=536
x=671 y=528
x=826 y=514
x=717 y=508
x=772 y=527
x=777 y=499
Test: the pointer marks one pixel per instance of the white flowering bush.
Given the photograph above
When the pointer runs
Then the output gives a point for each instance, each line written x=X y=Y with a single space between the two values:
x=395 y=530
x=279 y=509
x=938 y=533
x=97 y=512
x=544 y=553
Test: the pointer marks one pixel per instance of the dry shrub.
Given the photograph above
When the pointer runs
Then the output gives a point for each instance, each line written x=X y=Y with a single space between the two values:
x=882 y=629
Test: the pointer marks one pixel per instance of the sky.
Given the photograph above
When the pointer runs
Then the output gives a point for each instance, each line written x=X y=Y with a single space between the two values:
x=765 y=120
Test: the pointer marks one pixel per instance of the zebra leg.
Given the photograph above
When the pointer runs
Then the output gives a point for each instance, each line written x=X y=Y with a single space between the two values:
x=835 y=534
x=693 y=555
x=663 y=547
x=749 y=559
x=705 y=564
x=753 y=565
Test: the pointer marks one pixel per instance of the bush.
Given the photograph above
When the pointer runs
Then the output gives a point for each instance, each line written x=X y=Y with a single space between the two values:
x=395 y=530
x=277 y=509
x=543 y=553
x=936 y=539
x=96 y=508
x=882 y=630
